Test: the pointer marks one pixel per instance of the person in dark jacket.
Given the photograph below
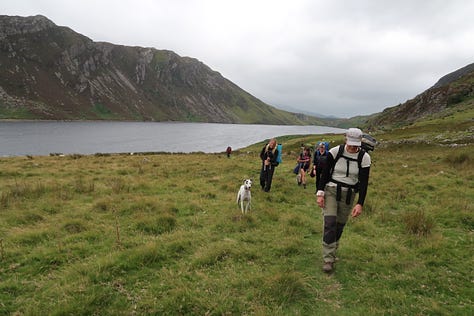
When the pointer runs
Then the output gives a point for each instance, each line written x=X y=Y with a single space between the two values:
x=319 y=161
x=346 y=173
x=268 y=156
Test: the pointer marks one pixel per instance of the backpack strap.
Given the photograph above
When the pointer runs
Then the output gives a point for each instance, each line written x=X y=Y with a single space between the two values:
x=359 y=157
x=355 y=187
x=339 y=153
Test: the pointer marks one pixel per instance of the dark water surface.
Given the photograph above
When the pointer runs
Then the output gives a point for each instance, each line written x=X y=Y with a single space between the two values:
x=44 y=137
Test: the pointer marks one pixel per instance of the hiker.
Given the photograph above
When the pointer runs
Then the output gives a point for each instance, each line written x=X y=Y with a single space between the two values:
x=319 y=161
x=269 y=162
x=304 y=159
x=346 y=173
x=228 y=151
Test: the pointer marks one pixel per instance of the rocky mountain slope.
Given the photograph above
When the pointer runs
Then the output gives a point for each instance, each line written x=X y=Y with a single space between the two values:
x=52 y=72
x=453 y=90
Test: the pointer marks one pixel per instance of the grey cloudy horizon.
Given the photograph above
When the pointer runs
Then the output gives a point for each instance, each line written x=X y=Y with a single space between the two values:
x=338 y=58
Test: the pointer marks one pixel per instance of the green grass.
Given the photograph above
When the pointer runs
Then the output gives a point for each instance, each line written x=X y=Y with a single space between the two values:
x=162 y=234
x=7 y=112
x=103 y=112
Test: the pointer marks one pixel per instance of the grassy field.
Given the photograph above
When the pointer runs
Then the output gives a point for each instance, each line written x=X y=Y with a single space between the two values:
x=162 y=234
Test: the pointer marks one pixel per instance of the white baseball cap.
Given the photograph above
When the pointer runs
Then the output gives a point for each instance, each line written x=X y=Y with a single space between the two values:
x=353 y=137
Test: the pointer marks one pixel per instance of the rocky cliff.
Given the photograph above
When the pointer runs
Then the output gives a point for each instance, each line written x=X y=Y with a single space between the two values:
x=52 y=72
x=450 y=91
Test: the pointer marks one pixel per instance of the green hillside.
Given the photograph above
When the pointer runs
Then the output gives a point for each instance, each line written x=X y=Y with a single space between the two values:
x=162 y=234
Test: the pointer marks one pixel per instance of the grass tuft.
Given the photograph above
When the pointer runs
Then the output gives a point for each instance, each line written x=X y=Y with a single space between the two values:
x=459 y=159
x=417 y=223
x=287 y=288
x=161 y=224
x=74 y=227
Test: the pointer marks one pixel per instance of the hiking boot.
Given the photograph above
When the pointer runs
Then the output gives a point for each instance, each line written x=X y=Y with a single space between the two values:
x=328 y=267
x=304 y=185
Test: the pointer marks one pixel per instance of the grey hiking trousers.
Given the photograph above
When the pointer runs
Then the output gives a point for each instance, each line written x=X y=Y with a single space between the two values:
x=336 y=214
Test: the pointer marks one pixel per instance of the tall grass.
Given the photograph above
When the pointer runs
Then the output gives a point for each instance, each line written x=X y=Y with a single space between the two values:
x=162 y=234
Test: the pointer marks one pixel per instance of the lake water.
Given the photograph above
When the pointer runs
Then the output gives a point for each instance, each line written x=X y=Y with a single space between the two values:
x=44 y=137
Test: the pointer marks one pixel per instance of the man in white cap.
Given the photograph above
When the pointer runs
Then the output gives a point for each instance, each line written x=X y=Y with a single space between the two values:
x=346 y=173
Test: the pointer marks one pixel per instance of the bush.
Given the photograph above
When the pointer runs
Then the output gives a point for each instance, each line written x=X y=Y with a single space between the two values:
x=418 y=223
x=458 y=159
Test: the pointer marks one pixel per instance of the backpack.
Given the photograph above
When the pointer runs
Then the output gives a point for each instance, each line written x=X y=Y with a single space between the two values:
x=316 y=151
x=279 y=157
x=368 y=142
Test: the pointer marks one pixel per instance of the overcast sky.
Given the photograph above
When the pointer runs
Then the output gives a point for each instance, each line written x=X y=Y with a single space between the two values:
x=341 y=58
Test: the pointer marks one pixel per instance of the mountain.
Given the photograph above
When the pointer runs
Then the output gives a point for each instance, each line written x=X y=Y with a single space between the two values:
x=453 y=91
x=455 y=75
x=52 y=72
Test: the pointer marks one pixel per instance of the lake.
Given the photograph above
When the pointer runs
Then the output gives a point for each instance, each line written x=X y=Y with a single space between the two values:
x=19 y=138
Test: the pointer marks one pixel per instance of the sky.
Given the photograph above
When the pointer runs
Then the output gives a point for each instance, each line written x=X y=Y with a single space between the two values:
x=330 y=57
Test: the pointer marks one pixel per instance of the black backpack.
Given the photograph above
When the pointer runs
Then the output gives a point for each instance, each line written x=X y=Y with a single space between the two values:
x=368 y=142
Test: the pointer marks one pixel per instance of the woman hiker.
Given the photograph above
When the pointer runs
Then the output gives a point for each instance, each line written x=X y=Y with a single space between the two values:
x=304 y=159
x=268 y=156
x=346 y=173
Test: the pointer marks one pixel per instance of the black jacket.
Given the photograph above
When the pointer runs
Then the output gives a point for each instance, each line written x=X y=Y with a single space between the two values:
x=273 y=154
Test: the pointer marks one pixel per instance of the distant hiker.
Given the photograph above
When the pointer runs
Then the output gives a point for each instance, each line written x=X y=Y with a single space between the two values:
x=304 y=159
x=319 y=161
x=228 y=151
x=346 y=173
x=268 y=156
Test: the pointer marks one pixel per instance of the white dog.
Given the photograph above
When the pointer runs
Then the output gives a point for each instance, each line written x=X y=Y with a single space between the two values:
x=244 y=196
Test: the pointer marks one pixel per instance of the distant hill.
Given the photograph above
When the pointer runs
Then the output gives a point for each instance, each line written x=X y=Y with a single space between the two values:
x=52 y=72
x=455 y=90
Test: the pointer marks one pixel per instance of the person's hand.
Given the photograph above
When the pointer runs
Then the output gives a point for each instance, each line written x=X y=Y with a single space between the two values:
x=357 y=210
x=320 y=200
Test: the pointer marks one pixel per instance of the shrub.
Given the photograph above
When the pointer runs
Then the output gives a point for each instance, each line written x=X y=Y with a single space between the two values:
x=418 y=223
x=458 y=159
